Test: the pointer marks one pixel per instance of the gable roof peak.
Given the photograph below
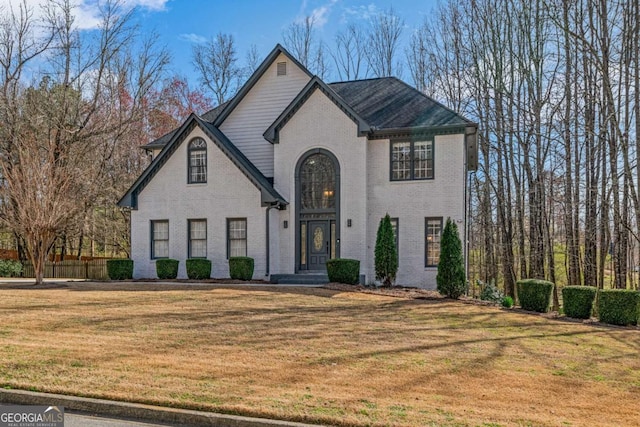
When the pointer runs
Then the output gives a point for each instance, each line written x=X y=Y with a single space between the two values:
x=257 y=74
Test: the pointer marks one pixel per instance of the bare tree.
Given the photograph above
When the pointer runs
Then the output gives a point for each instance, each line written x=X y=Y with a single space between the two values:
x=253 y=60
x=383 y=44
x=216 y=64
x=301 y=40
x=350 y=53
x=62 y=134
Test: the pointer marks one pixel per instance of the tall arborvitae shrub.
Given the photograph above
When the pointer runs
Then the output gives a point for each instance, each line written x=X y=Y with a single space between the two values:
x=386 y=256
x=451 y=276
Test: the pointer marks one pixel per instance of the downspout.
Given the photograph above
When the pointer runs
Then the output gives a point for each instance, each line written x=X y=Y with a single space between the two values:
x=273 y=206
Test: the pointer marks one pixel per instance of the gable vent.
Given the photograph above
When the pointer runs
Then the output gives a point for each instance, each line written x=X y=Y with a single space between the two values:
x=282 y=69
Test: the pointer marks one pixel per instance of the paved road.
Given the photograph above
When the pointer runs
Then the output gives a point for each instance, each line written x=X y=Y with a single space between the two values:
x=78 y=420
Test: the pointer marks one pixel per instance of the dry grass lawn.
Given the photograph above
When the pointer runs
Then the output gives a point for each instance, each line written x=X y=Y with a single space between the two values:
x=319 y=355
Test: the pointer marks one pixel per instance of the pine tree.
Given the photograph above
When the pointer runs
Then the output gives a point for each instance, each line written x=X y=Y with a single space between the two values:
x=451 y=275
x=386 y=256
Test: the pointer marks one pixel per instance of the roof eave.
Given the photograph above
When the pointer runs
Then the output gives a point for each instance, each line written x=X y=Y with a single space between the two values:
x=419 y=130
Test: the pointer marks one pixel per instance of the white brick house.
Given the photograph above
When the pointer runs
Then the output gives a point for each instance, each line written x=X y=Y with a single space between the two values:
x=293 y=171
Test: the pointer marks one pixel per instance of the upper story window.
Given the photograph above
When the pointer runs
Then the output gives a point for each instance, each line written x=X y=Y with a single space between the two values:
x=412 y=160
x=197 y=161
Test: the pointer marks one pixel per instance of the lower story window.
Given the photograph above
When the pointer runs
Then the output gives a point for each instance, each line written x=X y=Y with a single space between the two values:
x=236 y=237
x=159 y=239
x=197 y=238
x=433 y=233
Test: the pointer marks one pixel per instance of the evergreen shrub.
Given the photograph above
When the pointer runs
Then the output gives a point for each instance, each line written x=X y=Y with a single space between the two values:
x=578 y=301
x=386 y=255
x=451 y=280
x=120 y=269
x=507 y=302
x=198 y=268
x=10 y=268
x=344 y=270
x=535 y=294
x=619 y=306
x=167 y=268
x=490 y=292
x=241 y=267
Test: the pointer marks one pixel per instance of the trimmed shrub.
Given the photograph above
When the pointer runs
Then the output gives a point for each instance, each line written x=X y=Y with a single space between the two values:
x=198 y=268
x=451 y=279
x=344 y=270
x=385 y=254
x=535 y=294
x=507 y=302
x=167 y=268
x=619 y=306
x=577 y=301
x=10 y=268
x=120 y=269
x=241 y=267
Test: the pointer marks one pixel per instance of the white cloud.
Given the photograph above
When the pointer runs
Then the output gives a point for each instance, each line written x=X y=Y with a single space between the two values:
x=192 y=38
x=361 y=12
x=86 y=12
x=320 y=14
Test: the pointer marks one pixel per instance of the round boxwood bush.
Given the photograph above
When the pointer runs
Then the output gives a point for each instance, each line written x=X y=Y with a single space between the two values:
x=619 y=306
x=120 y=269
x=577 y=301
x=167 y=268
x=241 y=267
x=507 y=302
x=198 y=268
x=344 y=270
x=535 y=294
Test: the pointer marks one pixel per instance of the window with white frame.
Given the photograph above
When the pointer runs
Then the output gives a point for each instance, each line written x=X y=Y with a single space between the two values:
x=159 y=239
x=197 y=238
x=236 y=237
x=412 y=160
x=433 y=234
x=197 y=161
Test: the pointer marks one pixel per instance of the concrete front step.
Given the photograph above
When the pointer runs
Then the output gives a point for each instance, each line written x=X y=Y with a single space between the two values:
x=302 y=279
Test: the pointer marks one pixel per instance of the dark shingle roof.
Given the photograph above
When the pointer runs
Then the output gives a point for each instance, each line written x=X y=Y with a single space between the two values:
x=209 y=117
x=389 y=103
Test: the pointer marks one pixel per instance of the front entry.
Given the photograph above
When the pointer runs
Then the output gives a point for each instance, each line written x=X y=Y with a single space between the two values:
x=318 y=242
x=317 y=210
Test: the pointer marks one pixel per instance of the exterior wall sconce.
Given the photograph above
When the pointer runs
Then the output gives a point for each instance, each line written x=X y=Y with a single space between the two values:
x=285 y=224
x=348 y=223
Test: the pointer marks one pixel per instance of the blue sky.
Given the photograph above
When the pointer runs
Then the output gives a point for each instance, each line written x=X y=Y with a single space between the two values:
x=182 y=23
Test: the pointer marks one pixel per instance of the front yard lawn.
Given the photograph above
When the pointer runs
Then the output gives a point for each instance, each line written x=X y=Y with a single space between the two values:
x=318 y=355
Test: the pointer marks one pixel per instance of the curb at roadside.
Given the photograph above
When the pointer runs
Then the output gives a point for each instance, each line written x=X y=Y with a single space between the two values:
x=139 y=411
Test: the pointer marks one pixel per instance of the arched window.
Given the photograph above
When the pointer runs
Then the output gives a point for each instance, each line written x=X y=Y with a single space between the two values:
x=197 y=161
x=317 y=183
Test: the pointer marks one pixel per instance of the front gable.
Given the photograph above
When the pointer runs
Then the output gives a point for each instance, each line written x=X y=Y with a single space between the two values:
x=315 y=84
x=268 y=195
x=260 y=101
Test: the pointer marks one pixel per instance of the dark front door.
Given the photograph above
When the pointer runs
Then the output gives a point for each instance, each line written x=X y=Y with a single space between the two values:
x=318 y=241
